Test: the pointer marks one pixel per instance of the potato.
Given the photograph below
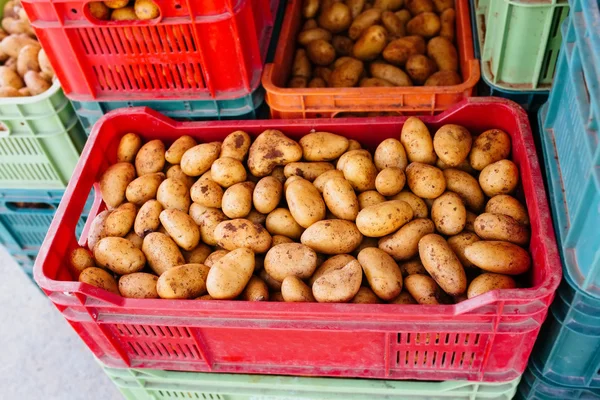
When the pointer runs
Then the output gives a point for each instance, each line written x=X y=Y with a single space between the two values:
x=237 y=200
x=335 y=262
x=424 y=180
x=9 y=78
x=281 y=222
x=320 y=52
x=403 y=244
x=390 y=73
x=452 y=144
x=363 y=21
x=490 y=226
x=80 y=259
x=392 y=5
x=99 y=10
x=99 y=278
x=144 y=188
x=442 y=264
x=417 y=142
x=175 y=152
x=491 y=146
x=116 y=3
x=280 y=239
x=374 y=82
x=12 y=44
x=417 y=204
x=290 y=259
x=301 y=67
x=403 y=298
x=97 y=230
x=365 y=296
x=270 y=149
x=207 y=193
x=426 y=24
x=123 y=14
x=121 y=220
x=395 y=27
x=419 y=68
x=35 y=83
x=341 y=199
x=360 y=171
x=466 y=187
x=447 y=20
x=443 y=52
x=508 y=205
x=186 y=281
x=197 y=255
x=228 y=277
x=237 y=233
x=129 y=146
x=323 y=146
x=332 y=236
x=501 y=177
x=487 y=282
x=353 y=145
x=341 y=163
x=256 y=217
x=28 y=59
x=384 y=218
x=317 y=83
x=310 y=8
x=146 y=9
x=237 y=144
x=469 y=224
x=419 y=6
x=135 y=239
x=12 y=92
x=423 y=289
x=256 y=290
x=398 y=51
x=15 y=26
x=449 y=214
x=370 y=44
x=198 y=159
x=335 y=18
x=119 y=255
x=138 y=285
x=411 y=267
x=342 y=46
x=382 y=272
x=390 y=181
x=214 y=257
x=150 y=158
x=499 y=257
x=307 y=170
x=347 y=74
x=267 y=194
x=390 y=153
x=307 y=36
x=403 y=15
x=338 y=285
x=113 y=183
x=356 y=7
x=444 y=78
x=181 y=228
x=322 y=179
x=173 y=194
x=161 y=252
x=458 y=244
x=289 y=181
x=305 y=203
x=322 y=73
x=44 y=63
x=369 y=198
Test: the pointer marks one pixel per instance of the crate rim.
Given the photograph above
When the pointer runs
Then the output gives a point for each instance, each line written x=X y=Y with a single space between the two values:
x=18 y=101
x=546 y=288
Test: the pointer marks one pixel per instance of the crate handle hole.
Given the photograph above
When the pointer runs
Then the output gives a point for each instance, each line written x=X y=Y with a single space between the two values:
x=74 y=11
x=5 y=130
x=178 y=6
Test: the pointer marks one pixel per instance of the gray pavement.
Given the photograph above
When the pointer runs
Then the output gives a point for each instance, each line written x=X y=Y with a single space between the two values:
x=41 y=357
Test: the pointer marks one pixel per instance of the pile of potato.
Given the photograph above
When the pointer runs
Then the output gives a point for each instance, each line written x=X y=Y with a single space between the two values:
x=426 y=220
x=25 y=69
x=380 y=43
x=124 y=10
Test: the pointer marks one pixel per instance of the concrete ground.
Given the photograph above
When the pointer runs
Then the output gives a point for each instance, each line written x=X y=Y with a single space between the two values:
x=41 y=357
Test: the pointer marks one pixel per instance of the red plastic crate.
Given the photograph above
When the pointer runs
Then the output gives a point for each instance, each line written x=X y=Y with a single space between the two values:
x=488 y=338
x=196 y=49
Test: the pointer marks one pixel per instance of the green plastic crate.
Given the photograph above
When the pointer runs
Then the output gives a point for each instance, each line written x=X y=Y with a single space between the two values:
x=137 y=384
x=520 y=41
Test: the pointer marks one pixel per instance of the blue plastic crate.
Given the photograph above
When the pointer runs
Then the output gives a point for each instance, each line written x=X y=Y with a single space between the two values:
x=534 y=386
x=25 y=216
x=572 y=156
x=530 y=100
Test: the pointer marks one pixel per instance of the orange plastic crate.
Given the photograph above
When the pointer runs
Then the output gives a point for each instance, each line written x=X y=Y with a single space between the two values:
x=328 y=102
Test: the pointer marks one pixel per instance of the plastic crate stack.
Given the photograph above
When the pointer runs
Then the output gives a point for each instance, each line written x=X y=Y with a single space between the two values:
x=518 y=42
x=565 y=363
x=198 y=60
x=40 y=142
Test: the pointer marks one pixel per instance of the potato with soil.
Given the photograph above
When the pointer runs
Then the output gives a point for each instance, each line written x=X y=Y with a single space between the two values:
x=347 y=74
x=338 y=285
x=501 y=177
x=398 y=51
x=228 y=277
x=147 y=219
x=290 y=259
x=305 y=202
x=467 y=187
x=161 y=252
x=186 y=281
x=442 y=264
x=267 y=194
x=423 y=289
x=236 y=145
x=207 y=193
x=491 y=146
x=139 y=285
x=360 y=171
x=332 y=237
x=390 y=153
x=404 y=243
x=200 y=158
x=176 y=151
x=146 y=9
x=341 y=199
x=270 y=149
x=323 y=146
x=237 y=200
x=119 y=255
x=426 y=181
x=120 y=222
x=181 y=228
x=490 y=226
x=382 y=272
x=385 y=218
x=499 y=257
x=370 y=44
x=281 y=222
x=80 y=259
x=114 y=182
x=129 y=145
x=449 y=214
x=390 y=181
x=452 y=144
x=236 y=233
x=99 y=278
x=144 y=188
x=97 y=229
x=417 y=142
x=174 y=194
x=508 y=205
x=307 y=170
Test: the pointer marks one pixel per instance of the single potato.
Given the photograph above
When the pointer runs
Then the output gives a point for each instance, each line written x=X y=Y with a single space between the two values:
x=335 y=18
x=139 y=285
x=417 y=142
x=426 y=24
x=175 y=152
x=305 y=203
x=389 y=73
x=487 y=282
x=270 y=149
x=99 y=278
x=332 y=237
x=501 y=177
x=390 y=181
x=385 y=218
x=97 y=229
x=360 y=171
x=370 y=44
x=382 y=272
x=442 y=264
x=256 y=290
x=404 y=243
x=197 y=255
x=390 y=153
x=320 y=52
x=120 y=221
x=417 y=204
x=181 y=228
x=161 y=252
x=228 y=277
x=363 y=21
x=491 y=146
x=323 y=146
x=281 y=222
x=186 y=281
x=423 y=289
x=420 y=67
x=499 y=257
x=237 y=200
x=80 y=259
x=198 y=159
x=267 y=194
x=322 y=179
x=443 y=52
x=411 y=267
x=207 y=193
x=348 y=74
x=119 y=255
x=508 y=205
x=365 y=296
x=370 y=198
x=147 y=219
x=452 y=144
x=340 y=199
x=114 y=182
x=449 y=214
x=290 y=259
x=144 y=188
x=174 y=194
x=236 y=145
x=236 y=233
x=338 y=285
x=398 y=51
x=467 y=187
x=426 y=181
x=490 y=226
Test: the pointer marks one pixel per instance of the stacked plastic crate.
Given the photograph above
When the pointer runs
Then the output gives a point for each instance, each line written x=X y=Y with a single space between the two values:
x=566 y=361
x=40 y=142
x=518 y=42
x=197 y=60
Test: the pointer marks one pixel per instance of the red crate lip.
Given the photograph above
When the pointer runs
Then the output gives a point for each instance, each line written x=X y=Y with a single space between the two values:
x=171 y=57
x=314 y=316
x=284 y=100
